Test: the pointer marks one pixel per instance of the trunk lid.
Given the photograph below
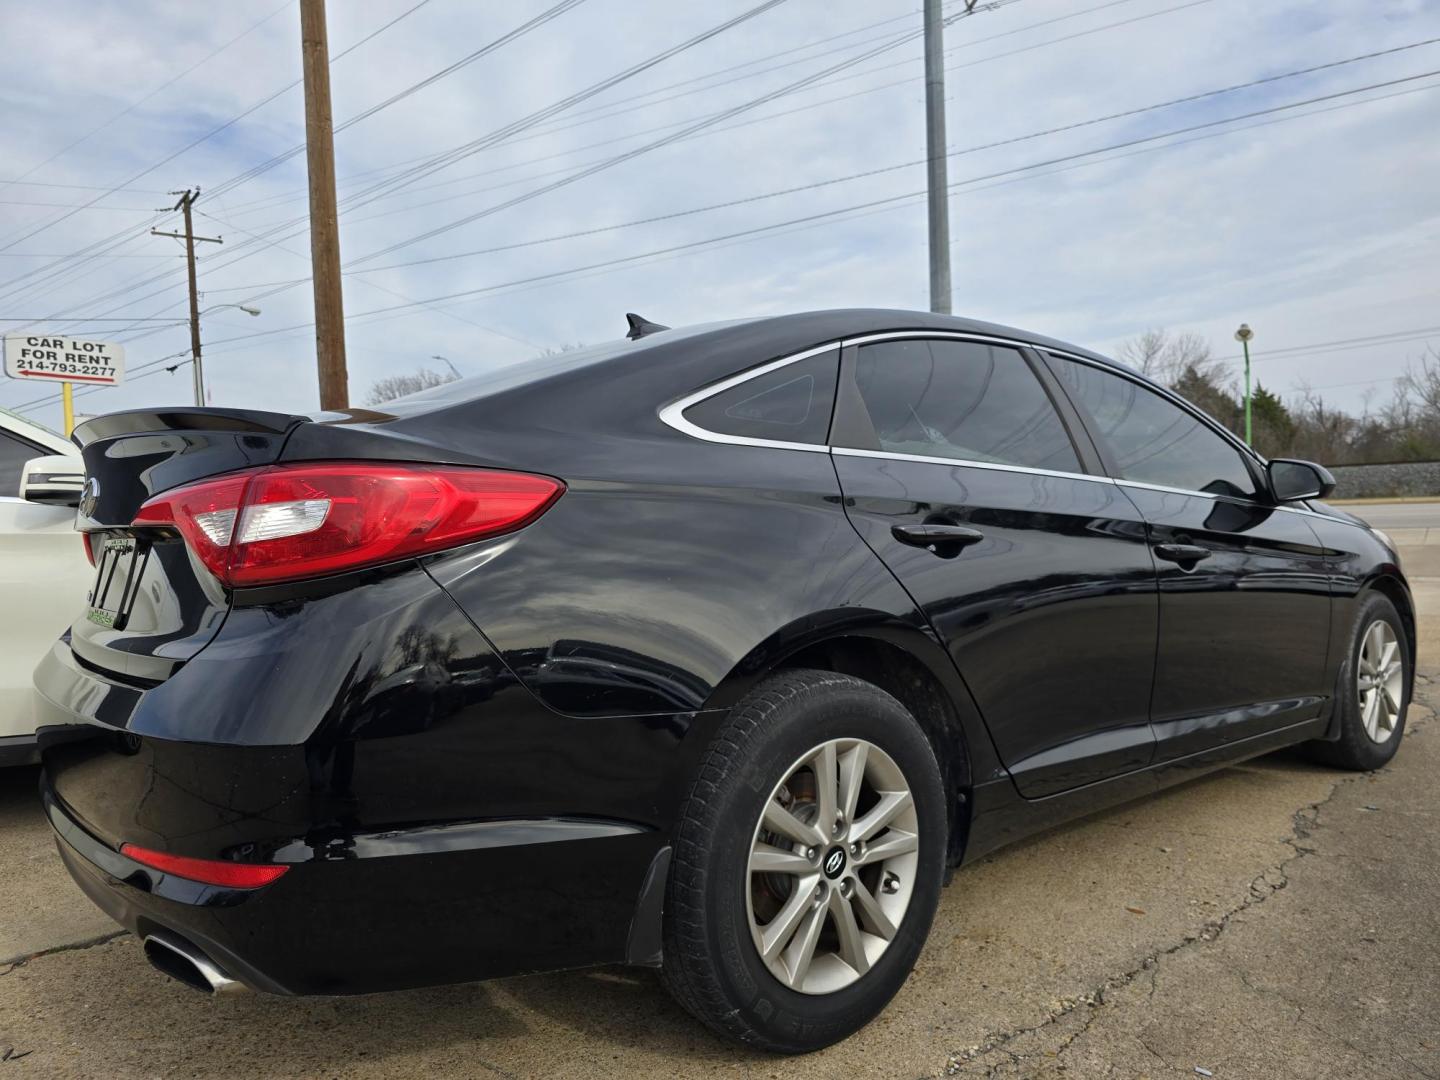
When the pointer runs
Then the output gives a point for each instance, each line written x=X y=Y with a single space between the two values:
x=153 y=604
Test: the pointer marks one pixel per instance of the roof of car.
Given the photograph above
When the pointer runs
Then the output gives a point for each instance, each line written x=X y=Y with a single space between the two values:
x=704 y=352
x=30 y=431
x=853 y=322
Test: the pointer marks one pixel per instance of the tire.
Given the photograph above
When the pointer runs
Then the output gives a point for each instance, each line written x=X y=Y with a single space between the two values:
x=715 y=904
x=1357 y=748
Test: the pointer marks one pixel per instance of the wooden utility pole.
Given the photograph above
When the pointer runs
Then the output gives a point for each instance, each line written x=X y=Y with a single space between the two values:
x=187 y=200
x=324 y=224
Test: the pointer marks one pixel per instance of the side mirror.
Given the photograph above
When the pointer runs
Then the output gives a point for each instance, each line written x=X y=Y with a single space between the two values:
x=1291 y=481
x=56 y=480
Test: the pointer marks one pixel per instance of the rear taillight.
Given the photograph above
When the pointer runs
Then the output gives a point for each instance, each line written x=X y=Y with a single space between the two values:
x=230 y=875
x=287 y=522
x=89 y=547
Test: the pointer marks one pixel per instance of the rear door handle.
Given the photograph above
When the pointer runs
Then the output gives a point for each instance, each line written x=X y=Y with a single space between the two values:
x=1182 y=553
x=936 y=536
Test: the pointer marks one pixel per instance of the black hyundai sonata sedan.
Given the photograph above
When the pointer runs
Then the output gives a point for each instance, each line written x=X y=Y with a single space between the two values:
x=713 y=650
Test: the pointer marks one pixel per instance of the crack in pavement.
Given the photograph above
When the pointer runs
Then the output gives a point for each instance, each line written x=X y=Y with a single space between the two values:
x=73 y=946
x=1304 y=822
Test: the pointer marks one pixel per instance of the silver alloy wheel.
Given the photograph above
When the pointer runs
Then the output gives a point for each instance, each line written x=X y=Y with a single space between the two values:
x=832 y=866
x=1380 y=681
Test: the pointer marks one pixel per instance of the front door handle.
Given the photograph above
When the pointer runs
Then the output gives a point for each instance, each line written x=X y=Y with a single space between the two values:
x=1182 y=553
x=934 y=537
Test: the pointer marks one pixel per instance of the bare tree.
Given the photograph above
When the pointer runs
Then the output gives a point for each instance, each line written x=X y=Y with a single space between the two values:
x=1407 y=428
x=397 y=386
x=1170 y=360
x=1423 y=387
x=1143 y=352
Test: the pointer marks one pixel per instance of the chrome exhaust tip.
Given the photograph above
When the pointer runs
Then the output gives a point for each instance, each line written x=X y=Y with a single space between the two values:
x=183 y=962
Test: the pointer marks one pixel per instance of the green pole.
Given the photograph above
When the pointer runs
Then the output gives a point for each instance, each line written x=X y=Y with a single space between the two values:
x=1246 y=343
x=1243 y=335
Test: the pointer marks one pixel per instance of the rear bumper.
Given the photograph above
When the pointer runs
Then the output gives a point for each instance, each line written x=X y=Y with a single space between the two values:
x=439 y=823
x=18 y=750
x=386 y=922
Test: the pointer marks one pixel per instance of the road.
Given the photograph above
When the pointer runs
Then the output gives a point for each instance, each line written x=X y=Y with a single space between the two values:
x=1275 y=920
x=1395 y=516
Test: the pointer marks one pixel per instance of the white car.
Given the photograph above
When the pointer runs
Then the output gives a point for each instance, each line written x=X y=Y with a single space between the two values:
x=44 y=571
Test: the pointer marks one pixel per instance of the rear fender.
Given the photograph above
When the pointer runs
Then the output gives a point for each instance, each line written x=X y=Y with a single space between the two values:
x=900 y=656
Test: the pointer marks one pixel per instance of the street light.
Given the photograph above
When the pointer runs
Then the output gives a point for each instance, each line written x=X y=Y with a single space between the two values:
x=453 y=370
x=199 y=369
x=1243 y=335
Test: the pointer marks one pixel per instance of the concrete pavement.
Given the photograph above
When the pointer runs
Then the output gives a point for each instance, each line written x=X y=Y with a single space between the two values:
x=1272 y=920
x=1397 y=515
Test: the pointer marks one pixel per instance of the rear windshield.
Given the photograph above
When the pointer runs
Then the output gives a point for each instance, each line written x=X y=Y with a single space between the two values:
x=510 y=374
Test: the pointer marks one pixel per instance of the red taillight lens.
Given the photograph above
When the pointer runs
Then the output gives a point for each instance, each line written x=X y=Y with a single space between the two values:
x=205 y=515
x=230 y=875
x=286 y=522
x=89 y=547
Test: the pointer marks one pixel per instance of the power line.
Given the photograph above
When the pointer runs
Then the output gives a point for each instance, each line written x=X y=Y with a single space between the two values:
x=1212 y=124
x=447 y=158
x=208 y=135
x=520 y=31
x=719 y=129
x=825 y=215
x=547 y=129
x=861 y=175
x=433 y=164
x=629 y=155
x=141 y=101
x=98 y=318
x=43 y=275
x=915 y=162
x=376 y=285
x=298 y=194
x=48 y=255
x=1031 y=171
x=1302 y=352
x=552 y=129
x=77 y=187
x=1006 y=33
x=1171 y=133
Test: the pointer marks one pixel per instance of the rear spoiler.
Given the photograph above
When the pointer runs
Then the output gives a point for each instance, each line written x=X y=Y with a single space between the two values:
x=144 y=421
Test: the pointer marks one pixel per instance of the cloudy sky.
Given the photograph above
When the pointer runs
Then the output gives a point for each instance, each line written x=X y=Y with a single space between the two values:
x=1318 y=224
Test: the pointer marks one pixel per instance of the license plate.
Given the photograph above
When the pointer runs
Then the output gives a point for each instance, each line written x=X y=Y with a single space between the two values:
x=117 y=578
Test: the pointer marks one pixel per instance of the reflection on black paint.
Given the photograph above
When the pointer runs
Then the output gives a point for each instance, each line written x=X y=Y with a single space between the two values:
x=1051 y=618
x=1247 y=627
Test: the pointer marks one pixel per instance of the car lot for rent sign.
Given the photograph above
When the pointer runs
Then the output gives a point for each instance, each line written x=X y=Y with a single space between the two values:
x=63 y=359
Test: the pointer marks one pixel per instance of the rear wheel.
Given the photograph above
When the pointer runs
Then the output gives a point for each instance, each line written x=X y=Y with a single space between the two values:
x=1373 y=693
x=808 y=863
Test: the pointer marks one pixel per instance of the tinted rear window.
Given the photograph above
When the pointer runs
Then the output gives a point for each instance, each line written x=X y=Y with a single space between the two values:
x=498 y=378
x=790 y=404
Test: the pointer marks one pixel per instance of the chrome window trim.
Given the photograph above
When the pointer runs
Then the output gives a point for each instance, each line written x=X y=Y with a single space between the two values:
x=1143 y=486
x=954 y=335
x=968 y=463
x=1306 y=512
x=674 y=413
x=673 y=416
